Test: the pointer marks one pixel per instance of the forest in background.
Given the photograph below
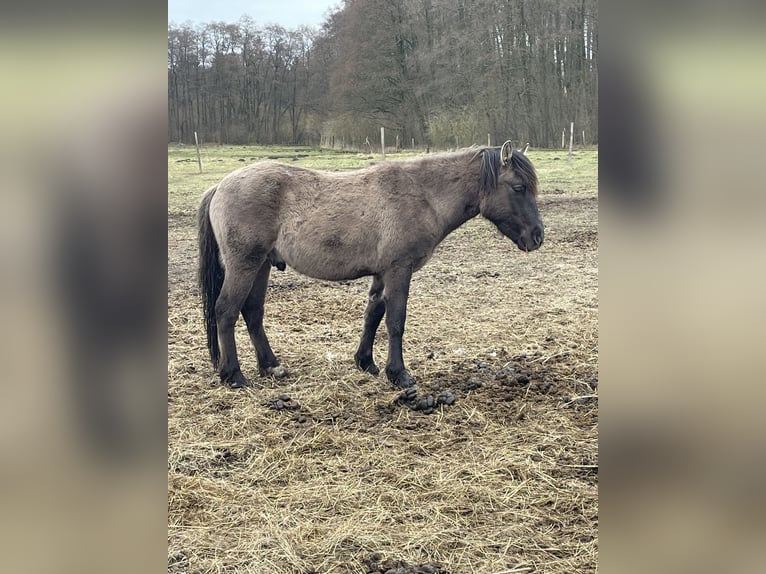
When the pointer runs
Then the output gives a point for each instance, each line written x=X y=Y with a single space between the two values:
x=444 y=73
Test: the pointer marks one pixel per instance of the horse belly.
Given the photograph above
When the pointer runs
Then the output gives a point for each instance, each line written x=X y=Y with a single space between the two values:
x=330 y=260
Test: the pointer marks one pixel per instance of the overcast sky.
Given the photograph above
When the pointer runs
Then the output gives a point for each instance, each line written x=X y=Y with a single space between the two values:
x=288 y=13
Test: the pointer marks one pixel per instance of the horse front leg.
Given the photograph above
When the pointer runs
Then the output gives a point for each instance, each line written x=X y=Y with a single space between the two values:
x=395 y=293
x=373 y=313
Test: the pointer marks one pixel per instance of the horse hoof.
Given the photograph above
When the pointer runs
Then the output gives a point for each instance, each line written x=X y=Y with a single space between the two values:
x=367 y=366
x=236 y=381
x=403 y=379
x=373 y=369
x=278 y=372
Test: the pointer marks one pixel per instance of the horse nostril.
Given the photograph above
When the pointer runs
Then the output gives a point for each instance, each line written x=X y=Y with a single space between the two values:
x=537 y=236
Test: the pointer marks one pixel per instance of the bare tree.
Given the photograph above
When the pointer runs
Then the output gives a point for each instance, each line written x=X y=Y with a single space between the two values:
x=439 y=71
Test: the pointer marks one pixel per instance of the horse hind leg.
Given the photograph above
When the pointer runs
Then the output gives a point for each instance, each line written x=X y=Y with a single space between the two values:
x=252 y=312
x=235 y=290
x=373 y=313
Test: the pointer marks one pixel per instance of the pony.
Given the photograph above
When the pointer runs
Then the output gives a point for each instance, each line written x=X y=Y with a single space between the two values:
x=383 y=221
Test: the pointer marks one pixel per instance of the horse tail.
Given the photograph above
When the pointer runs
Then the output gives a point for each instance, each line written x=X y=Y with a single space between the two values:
x=211 y=274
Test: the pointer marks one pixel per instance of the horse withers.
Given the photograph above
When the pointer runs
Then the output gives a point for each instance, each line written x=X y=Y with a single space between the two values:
x=383 y=221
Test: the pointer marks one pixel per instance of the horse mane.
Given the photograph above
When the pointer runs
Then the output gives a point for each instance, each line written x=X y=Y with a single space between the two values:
x=490 y=167
x=490 y=164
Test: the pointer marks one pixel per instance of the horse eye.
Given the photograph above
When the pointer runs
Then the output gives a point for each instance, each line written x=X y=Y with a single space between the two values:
x=519 y=188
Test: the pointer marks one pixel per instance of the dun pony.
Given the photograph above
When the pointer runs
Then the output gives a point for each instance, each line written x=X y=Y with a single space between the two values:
x=382 y=221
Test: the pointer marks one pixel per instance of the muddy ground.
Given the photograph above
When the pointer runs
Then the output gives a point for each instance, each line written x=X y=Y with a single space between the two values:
x=332 y=470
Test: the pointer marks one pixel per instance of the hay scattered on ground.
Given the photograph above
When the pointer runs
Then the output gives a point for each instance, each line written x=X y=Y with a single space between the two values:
x=324 y=472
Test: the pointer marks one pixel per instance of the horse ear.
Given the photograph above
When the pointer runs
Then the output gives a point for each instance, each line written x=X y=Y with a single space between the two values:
x=505 y=152
x=525 y=149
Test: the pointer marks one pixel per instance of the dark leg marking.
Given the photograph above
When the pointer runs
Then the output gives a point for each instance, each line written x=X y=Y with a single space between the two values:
x=395 y=293
x=252 y=311
x=376 y=307
x=234 y=292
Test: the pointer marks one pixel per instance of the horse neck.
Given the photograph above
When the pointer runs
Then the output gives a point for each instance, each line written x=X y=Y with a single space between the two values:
x=452 y=189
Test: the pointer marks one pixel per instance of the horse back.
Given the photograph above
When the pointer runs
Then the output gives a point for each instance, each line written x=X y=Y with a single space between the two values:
x=328 y=225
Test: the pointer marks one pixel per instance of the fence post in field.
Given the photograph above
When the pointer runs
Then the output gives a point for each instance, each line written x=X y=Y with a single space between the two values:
x=571 y=139
x=199 y=159
x=383 y=142
x=413 y=143
x=489 y=140
x=563 y=132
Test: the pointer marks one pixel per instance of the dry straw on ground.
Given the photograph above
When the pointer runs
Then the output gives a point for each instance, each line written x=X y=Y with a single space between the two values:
x=503 y=481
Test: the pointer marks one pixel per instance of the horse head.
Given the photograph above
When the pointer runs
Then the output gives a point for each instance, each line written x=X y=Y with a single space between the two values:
x=509 y=195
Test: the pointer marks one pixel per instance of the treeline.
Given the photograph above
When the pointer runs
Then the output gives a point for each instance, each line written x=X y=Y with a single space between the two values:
x=442 y=72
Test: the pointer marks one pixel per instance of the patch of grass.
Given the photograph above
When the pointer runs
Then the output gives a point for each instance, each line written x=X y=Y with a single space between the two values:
x=555 y=171
x=186 y=184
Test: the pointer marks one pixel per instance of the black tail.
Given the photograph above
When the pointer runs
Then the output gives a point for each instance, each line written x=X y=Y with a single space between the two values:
x=210 y=274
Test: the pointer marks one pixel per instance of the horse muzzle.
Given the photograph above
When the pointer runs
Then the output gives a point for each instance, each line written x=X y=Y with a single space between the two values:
x=531 y=241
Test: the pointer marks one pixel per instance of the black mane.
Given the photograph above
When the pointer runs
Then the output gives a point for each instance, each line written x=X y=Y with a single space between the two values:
x=490 y=167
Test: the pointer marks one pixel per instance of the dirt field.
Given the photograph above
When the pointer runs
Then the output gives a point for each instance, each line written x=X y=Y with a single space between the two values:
x=325 y=472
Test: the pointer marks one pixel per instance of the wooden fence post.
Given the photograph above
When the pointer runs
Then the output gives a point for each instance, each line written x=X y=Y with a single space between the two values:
x=571 y=139
x=199 y=159
x=383 y=142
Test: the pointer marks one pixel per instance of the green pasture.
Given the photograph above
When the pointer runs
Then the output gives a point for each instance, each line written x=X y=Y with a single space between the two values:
x=186 y=184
